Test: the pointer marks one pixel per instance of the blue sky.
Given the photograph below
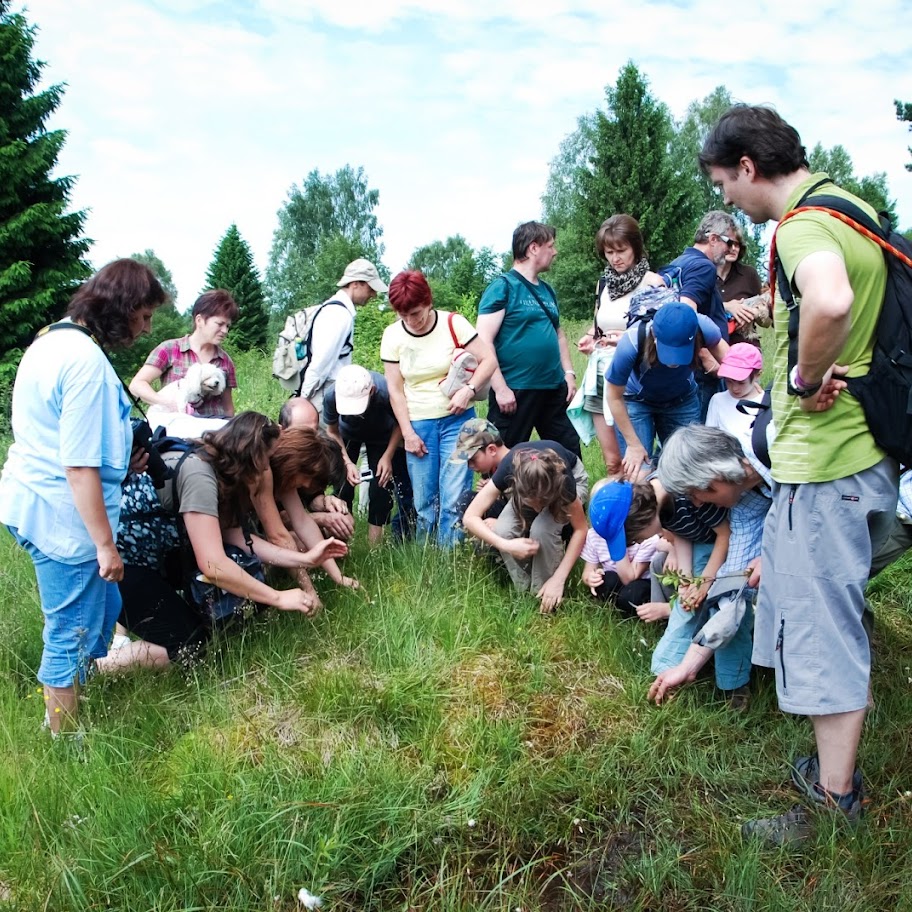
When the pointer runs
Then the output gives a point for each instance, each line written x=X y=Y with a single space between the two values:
x=185 y=116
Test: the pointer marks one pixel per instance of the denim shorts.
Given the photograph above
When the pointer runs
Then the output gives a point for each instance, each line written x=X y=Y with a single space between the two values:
x=80 y=610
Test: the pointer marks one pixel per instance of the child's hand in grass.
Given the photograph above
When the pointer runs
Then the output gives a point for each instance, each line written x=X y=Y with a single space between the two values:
x=521 y=548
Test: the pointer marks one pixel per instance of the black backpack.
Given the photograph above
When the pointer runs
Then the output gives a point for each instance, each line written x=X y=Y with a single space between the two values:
x=885 y=392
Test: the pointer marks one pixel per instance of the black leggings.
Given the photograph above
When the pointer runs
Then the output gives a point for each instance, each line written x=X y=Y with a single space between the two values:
x=155 y=612
x=625 y=597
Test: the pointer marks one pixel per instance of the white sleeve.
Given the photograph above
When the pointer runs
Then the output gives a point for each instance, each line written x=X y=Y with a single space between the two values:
x=331 y=330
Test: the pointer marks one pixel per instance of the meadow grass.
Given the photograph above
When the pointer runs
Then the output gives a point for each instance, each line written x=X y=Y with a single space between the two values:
x=430 y=743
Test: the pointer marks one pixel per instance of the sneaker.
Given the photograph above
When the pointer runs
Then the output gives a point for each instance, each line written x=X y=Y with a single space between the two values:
x=805 y=773
x=738 y=699
x=799 y=823
x=793 y=826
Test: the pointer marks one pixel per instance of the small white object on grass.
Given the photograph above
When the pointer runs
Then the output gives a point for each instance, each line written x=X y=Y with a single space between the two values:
x=308 y=900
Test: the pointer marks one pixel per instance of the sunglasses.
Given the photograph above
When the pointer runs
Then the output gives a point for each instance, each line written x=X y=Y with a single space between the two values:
x=729 y=242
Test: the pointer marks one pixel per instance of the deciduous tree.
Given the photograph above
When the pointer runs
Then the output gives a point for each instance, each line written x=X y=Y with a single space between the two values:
x=872 y=189
x=41 y=247
x=323 y=225
x=904 y=113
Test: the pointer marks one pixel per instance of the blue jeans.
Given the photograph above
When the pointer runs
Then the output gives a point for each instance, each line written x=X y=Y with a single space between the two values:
x=732 y=661
x=651 y=420
x=80 y=610
x=438 y=483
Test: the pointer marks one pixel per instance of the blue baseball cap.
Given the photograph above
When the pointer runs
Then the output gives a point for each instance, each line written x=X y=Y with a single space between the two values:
x=608 y=511
x=675 y=328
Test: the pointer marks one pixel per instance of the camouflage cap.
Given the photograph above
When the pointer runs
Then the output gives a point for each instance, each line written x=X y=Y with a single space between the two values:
x=474 y=435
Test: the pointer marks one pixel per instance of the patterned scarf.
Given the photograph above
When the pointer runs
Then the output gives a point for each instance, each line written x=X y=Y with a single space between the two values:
x=621 y=283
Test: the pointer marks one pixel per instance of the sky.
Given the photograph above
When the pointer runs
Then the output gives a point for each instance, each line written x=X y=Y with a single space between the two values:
x=185 y=116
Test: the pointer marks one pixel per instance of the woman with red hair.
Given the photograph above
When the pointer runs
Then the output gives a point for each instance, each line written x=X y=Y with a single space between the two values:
x=417 y=352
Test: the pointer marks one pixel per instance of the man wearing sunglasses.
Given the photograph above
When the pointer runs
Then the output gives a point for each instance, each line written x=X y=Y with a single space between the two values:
x=695 y=271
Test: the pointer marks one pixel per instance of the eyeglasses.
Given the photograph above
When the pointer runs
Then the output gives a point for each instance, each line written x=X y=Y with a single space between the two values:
x=729 y=242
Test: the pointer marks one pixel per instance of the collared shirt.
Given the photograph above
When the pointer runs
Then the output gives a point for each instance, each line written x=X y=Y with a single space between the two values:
x=174 y=357
x=332 y=335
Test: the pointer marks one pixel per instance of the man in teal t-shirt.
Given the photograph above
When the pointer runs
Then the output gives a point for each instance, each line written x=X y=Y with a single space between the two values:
x=835 y=492
x=519 y=319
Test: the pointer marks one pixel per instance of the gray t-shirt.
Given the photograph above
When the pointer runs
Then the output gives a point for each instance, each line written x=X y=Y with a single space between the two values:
x=196 y=483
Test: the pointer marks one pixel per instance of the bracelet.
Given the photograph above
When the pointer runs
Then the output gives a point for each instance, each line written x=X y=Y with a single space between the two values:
x=570 y=373
x=797 y=387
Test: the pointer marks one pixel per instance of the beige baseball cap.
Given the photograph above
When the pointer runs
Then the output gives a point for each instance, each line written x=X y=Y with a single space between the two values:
x=363 y=271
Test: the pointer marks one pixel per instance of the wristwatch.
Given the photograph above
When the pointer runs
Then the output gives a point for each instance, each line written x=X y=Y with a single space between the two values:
x=570 y=373
x=471 y=386
x=797 y=388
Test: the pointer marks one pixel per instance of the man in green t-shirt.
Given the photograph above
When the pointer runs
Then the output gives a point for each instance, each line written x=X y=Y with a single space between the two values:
x=835 y=491
x=519 y=319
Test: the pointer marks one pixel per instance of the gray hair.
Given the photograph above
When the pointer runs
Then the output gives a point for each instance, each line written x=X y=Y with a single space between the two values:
x=716 y=222
x=696 y=456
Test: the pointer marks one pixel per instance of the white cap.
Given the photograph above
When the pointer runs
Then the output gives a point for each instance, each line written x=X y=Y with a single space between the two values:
x=353 y=387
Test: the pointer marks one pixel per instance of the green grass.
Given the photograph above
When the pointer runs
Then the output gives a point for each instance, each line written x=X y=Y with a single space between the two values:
x=435 y=744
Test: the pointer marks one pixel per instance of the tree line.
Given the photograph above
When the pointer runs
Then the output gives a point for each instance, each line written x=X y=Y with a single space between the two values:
x=629 y=155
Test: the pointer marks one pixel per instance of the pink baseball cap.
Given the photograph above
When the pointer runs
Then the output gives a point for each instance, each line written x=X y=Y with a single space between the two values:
x=740 y=361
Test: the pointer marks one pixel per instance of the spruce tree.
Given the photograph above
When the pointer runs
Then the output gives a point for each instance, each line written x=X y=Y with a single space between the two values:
x=41 y=248
x=232 y=269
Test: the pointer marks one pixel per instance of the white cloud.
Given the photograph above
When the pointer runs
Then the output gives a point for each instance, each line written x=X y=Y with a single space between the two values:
x=186 y=115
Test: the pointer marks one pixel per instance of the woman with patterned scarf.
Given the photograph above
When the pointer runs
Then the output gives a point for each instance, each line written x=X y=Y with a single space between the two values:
x=627 y=271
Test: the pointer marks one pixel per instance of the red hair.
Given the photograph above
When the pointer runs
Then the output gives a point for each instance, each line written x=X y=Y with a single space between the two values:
x=409 y=289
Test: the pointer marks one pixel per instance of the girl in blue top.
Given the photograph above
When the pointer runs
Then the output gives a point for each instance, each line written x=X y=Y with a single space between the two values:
x=650 y=383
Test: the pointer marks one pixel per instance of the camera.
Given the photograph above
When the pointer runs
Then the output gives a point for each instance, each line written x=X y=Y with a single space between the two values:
x=156 y=468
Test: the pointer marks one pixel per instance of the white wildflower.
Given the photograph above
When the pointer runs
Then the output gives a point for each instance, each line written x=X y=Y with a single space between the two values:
x=308 y=900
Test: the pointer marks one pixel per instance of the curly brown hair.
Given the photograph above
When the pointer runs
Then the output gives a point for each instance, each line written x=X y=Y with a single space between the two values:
x=105 y=303
x=239 y=454
x=539 y=475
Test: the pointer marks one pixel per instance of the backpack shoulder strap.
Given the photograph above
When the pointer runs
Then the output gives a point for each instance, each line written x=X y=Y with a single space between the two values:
x=642 y=327
x=348 y=345
x=599 y=288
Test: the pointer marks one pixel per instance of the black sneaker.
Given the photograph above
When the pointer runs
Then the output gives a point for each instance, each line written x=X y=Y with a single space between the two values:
x=805 y=773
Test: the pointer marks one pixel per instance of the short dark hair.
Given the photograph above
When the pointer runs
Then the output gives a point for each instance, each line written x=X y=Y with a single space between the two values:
x=529 y=233
x=106 y=302
x=760 y=134
x=618 y=230
x=215 y=303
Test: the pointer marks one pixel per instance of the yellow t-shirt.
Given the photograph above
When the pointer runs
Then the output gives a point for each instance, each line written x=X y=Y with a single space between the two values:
x=424 y=361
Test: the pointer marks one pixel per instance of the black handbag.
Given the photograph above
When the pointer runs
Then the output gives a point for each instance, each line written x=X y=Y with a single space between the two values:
x=218 y=605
